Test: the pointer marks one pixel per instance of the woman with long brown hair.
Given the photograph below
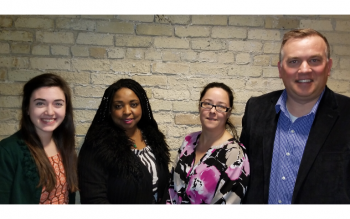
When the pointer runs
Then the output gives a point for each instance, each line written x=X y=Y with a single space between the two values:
x=38 y=163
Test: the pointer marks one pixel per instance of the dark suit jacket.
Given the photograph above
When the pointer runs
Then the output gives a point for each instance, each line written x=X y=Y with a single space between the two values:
x=324 y=172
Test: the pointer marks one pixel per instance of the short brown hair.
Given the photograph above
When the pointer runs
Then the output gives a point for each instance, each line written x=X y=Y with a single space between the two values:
x=302 y=33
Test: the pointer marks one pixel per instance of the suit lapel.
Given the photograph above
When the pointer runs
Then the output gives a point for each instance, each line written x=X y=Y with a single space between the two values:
x=325 y=118
x=269 y=138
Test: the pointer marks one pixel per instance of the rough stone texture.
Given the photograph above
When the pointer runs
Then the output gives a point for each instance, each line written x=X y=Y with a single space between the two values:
x=60 y=50
x=5 y=21
x=245 y=46
x=133 y=41
x=173 y=43
x=43 y=50
x=246 y=20
x=172 y=56
x=98 y=52
x=242 y=58
x=262 y=34
x=13 y=35
x=139 y=18
x=192 y=31
x=95 y=39
x=50 y=63
x=173 y=19
x=20 y=48
x=319 y=25
x=4 y=48
x=115 y=27
x=154 y=29
x=281 y=23
x=208 y=44
x=55 y=37
x=37 y=23
x=80 y=51
x=229 y=32
x=75 y=24
x=209 y=19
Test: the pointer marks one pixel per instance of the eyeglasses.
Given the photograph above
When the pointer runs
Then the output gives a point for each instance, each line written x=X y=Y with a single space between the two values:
x=218 y=108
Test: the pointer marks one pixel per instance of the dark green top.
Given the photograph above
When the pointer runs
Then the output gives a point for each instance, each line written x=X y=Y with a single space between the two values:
x=19 y=177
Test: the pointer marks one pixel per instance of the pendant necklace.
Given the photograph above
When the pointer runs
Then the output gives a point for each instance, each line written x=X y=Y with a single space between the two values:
x=135 y=146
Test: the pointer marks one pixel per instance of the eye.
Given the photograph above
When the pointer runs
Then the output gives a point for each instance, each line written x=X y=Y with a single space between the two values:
x=118 y=106
x=293 y=61
x=59 y=104
x=39 y=104
x=314 y=60
x=134 y=105
x=206 y=104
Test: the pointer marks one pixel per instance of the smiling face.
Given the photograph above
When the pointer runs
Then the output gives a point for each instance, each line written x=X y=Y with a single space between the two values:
x=211 y=119
x=304 y=68
x=47 y=109
x=126 y=109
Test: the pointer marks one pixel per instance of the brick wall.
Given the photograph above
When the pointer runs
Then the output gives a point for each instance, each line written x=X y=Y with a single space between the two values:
x=173 y=57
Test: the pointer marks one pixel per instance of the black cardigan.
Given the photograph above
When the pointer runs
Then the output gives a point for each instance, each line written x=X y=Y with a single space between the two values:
x=101 y=182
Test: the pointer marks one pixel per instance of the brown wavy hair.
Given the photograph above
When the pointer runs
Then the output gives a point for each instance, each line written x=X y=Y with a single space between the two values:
x=63 y=135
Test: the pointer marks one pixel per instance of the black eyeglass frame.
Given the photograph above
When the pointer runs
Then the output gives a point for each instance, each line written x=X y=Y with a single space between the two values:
x=212 y=105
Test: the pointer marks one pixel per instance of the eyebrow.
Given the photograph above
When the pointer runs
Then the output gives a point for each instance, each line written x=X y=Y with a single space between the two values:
x=217 y=103
x=40 y=99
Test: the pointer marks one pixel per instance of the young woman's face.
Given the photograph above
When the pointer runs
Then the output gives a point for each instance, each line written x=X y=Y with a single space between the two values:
x=47 y=109
x=211 y=118
x=126 y=109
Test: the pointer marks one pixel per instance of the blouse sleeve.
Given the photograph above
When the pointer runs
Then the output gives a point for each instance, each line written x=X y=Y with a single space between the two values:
x=173 y=197
x=92 y=177
x=233 y=185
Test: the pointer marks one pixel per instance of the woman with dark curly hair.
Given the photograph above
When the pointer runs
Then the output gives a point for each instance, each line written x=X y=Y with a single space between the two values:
x=124 y=158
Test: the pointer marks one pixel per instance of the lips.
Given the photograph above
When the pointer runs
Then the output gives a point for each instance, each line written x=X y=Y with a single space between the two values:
x=128 y=121
x=304 y=81
x=212 y=119
x=48 y=120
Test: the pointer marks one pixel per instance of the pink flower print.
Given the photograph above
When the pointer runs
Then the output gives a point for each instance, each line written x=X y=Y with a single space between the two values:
x=202 y=185
x=188 y=147
x=235 y=170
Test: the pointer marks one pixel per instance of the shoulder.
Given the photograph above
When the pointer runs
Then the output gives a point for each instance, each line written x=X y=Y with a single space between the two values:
x=235 y=153
x=272 y=96
x=191 y=138
x=12 y=142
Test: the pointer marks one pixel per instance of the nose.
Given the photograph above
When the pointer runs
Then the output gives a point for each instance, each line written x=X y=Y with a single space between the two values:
x=49 y=110
x=213 y=109
x=304 y=67
x=127 y=109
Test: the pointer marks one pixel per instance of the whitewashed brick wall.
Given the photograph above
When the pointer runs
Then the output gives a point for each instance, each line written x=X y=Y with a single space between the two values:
x=173 y=57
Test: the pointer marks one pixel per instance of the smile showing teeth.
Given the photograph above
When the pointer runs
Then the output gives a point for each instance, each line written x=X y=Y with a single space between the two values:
x=304 y=81
x=48 y=120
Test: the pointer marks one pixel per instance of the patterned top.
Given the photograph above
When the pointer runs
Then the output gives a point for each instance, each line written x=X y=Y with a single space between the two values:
x=149 y=160
x=59 y=195
x=220 y=177
x=288 y=149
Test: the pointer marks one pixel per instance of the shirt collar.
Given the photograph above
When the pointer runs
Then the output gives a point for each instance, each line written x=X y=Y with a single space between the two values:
x=281 y=103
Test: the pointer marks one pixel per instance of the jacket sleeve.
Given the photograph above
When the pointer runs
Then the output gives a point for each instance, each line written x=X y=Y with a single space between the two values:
x=7 y=172
x=244 y=139
x=92 y=177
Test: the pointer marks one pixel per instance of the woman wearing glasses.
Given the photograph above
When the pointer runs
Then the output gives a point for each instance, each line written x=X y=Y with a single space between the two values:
x=212 y=166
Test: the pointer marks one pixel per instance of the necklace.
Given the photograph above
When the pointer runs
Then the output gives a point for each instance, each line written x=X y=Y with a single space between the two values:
x=135 y=146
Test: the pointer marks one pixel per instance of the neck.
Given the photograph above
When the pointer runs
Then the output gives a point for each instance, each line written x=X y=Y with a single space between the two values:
x=48 y=144
x=210 y=138
x=299 y=109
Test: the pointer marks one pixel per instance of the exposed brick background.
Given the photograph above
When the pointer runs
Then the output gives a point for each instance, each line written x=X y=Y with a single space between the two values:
x=172 y=56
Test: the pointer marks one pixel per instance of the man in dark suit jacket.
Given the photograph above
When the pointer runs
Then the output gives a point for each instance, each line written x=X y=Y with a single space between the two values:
x=298 y=139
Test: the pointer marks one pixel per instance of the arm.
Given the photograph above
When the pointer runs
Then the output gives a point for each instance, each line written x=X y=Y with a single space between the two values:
x=92 y=177
x=245 y=129
x=7 y=172
x=233 y=185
